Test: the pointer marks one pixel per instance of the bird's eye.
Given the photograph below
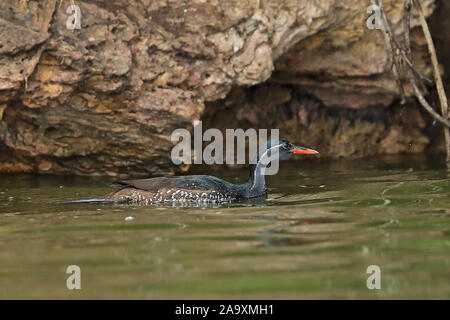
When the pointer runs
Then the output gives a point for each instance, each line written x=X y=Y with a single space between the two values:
x=286 y=146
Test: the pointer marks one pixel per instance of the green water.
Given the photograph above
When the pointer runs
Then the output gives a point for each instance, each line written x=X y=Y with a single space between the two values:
x=323 y=224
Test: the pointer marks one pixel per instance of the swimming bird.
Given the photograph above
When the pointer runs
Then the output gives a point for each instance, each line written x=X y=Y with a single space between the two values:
x=203 y=188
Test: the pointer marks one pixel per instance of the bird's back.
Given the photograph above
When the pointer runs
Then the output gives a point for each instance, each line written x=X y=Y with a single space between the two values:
x=193 y=182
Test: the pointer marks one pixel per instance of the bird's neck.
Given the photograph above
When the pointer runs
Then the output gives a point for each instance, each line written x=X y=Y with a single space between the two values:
x=256 y=184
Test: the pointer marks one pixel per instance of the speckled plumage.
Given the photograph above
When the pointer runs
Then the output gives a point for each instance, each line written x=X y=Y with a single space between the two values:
x=197 y=188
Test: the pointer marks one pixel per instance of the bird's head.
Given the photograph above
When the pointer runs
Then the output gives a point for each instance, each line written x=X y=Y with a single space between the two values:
x=286 y=149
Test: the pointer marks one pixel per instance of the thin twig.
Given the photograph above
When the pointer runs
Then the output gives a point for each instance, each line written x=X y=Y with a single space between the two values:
x=407 y=27
x=406 y=56
x=396 y=70
x=427 y=106
x=395 y=66
x=437 y=75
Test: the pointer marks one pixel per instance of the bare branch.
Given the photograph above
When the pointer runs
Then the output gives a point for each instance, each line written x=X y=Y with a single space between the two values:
x=397 y=45
x=437 y=75
x=391 y=41
x=434 y=60
x=395 y=66
x=427 y=106
x=407 y=27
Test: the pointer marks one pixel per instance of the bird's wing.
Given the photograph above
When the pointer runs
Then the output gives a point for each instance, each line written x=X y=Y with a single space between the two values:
x=183 y=182
x=151 y=184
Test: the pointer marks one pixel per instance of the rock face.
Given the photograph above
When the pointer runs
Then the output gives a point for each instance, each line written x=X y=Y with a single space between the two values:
x=104 y=99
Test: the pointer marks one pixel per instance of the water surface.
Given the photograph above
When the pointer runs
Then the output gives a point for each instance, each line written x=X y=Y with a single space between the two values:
x=323 y=224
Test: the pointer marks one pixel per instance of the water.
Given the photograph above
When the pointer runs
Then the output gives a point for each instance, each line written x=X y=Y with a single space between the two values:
x=323 y=224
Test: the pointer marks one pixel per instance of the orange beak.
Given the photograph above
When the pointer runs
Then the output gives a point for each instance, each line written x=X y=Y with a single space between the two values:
x=301 y=150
